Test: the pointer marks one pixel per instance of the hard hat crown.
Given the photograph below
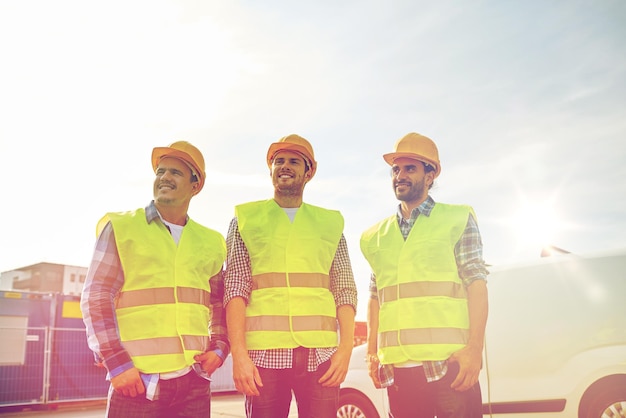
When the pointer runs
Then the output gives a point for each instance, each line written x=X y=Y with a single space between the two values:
x=417 y=147
x=186 y=152
x=295 y=143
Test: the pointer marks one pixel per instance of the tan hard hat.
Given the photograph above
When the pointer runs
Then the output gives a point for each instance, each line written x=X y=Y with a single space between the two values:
x=295 y=143
x=417 y=147
x=184 y=151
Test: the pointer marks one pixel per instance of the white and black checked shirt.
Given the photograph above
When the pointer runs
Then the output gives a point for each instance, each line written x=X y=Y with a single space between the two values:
x=238 y=283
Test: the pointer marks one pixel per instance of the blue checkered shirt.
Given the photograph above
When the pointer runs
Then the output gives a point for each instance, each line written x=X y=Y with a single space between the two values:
x=469 y=259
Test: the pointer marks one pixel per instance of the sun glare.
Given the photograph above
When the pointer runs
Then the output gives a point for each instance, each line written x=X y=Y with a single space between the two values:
x=536 y=224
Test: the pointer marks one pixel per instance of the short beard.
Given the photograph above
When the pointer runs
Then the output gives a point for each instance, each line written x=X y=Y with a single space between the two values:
x=293 y=190
x=415 y=192
x=164 y=200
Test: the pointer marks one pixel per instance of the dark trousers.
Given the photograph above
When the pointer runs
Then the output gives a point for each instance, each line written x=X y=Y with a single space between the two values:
x=185 y=396
x=313 y=400
x=411 y=396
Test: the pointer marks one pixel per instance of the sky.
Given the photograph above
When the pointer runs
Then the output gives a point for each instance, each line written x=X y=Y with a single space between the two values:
x=526 y=101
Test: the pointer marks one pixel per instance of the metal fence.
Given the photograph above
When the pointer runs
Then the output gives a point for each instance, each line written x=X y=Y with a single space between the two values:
x=44 y=356
x=59 y=367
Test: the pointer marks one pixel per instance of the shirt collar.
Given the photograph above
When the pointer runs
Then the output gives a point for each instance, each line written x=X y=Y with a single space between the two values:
x=152 y=213
x=424 y=208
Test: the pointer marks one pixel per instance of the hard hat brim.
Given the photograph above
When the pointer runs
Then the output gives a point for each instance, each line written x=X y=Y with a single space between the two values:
x=392 y=156
x=286 y=146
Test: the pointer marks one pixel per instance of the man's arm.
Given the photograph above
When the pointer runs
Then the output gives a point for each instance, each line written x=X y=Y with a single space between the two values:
x=237 y=288
x=340 y=360
x=103 y=282
x=245 y=374
x=218 y=351
x=344 y=292
x=473 y=272
x=373 y=309
x=470 y=357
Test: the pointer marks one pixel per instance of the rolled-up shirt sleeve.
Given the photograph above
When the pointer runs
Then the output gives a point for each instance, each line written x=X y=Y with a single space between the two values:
x=219 y=338
x=469 y=254
x=238 y=275
x=342 y=283
x=104 y=280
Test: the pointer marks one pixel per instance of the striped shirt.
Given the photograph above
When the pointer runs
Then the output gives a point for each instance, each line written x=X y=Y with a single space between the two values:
x=238 y=283
x=468 y=252
x=105 y=278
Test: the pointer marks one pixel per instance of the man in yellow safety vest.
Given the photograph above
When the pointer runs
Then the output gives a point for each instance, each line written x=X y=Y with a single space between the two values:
x=288 y=284
x=428 y=299
x=152 y=300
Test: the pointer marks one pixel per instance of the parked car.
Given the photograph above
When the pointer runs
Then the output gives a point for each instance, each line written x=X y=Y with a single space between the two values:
x=358 y=398
x=555 y=343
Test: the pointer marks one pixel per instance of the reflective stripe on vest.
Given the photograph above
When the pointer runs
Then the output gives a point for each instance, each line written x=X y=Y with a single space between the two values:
x=165 y=345
x=139 y=297
x=290 y=304
x=421 y=289
x=296 y=323
x=423 y=303
x=267 y=280
x=422 y=336
x=163 y=309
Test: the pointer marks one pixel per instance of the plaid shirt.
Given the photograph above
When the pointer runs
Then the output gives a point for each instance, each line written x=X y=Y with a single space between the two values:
x=469 y=259
x=238 y=283
x=104 y=281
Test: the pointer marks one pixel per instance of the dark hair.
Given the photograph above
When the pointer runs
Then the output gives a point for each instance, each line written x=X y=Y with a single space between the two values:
x=428 y=167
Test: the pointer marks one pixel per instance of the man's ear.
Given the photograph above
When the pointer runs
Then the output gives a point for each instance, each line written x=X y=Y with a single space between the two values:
x=430 y=177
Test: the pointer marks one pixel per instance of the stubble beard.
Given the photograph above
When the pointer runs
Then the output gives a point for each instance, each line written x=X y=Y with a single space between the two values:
x=293 y=188
x=415 y=192
x=164 y=200
x=289 y=190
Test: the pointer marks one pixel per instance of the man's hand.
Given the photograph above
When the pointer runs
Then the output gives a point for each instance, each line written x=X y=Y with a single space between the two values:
x=470 y=361
x=246 y=375
x=209 y=361
x=372 y=366
x=128 y=383
x=338 y=369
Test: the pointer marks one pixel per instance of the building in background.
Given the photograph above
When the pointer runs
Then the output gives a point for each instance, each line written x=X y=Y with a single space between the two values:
x=45 y=277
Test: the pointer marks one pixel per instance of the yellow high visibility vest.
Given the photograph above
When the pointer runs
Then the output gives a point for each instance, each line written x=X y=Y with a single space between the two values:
x=291 y=303
x=163 y=309
x=423 y=303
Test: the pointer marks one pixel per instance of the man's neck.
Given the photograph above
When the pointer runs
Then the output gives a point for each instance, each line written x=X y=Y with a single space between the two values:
x=407 y=207
x=292 y=201
x=176 y=215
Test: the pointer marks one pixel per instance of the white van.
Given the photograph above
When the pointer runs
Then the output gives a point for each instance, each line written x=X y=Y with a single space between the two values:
x=555 y=343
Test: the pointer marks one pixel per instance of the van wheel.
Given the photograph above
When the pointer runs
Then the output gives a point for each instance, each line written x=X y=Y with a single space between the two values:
x=355 y=405
x=611 y=404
